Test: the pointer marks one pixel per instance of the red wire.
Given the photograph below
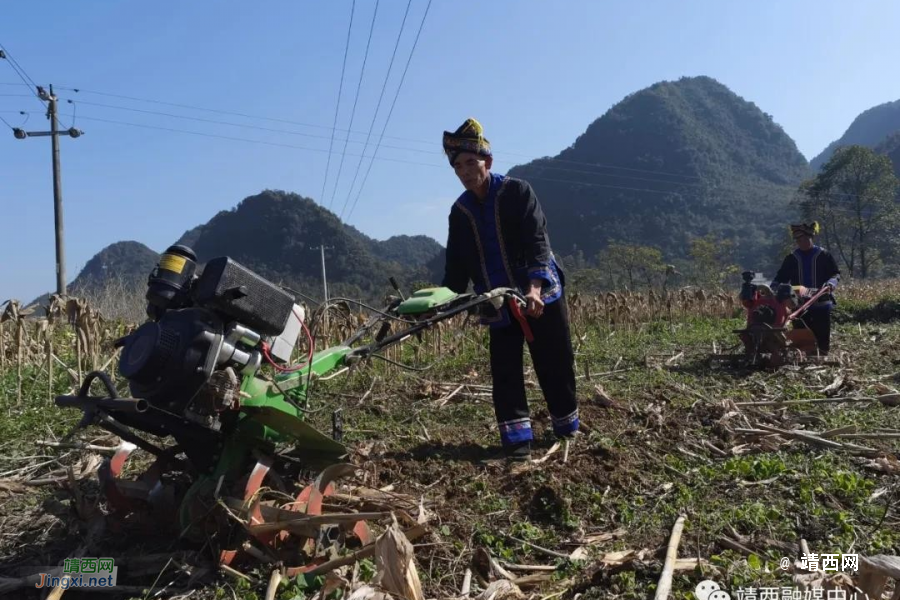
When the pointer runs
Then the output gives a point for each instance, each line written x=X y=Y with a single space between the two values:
x=279 y=368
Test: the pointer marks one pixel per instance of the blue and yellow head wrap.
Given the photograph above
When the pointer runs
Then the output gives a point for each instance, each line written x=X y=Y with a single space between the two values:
x=810 y=229
x=468 y=138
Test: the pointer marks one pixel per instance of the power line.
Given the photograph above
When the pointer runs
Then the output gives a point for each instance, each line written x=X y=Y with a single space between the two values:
x=240 y=125
x=28 y=81
x=576 y=182
x=18 y=68
x=362 y=72
x=413 y=140
x=616 y=175
x=704 y=183
x=202 y=120
x=714 y=192
x=599 y=165
x=246 y=140
x=715 y=189
x=335 y=129
x=603 y=165
x=314 y=136
x=74 y=110
x=372 y=157
x=408 y=149
x=204 y=134
x=378 y=105
x=391 y=111
x=678 y=193
x=338 y=105
x=228 y=112
x=403 y=148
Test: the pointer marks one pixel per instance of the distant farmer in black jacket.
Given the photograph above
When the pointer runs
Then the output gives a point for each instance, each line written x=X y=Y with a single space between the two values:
x=811 y=268
x=498 y=238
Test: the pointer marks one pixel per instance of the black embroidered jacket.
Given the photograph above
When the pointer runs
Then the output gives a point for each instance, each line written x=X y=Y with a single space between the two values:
x=812 y=269
x=501 y=241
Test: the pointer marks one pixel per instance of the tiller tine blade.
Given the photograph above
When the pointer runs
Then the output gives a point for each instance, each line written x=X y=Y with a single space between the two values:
x=109 y=474
x=309 y=502
x=363 y=533
x=251 y=489
x=254 y=483
x=145 y=501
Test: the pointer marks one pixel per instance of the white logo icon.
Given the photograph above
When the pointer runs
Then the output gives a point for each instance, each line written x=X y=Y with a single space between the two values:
x=710 y=590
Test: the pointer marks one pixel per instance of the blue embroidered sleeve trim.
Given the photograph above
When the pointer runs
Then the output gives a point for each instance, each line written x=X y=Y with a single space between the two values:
x=516 y=431
x=567 y=424
x=553 y=290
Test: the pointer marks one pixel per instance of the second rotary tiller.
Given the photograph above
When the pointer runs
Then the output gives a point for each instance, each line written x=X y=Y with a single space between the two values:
x=770 y=337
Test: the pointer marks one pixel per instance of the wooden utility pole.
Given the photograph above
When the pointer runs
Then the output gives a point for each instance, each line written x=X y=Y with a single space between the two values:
x=54 y=134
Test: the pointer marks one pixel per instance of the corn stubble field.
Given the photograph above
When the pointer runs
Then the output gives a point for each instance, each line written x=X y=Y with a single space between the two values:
x=734 y=469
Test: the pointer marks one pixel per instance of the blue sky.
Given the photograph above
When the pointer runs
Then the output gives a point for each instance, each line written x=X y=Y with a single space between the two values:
x=534 y=72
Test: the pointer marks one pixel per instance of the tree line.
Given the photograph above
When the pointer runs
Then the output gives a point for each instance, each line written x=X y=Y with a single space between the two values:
x=855 y=198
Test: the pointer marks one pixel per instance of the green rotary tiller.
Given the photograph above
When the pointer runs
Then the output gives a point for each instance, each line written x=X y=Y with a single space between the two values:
x=209 y=369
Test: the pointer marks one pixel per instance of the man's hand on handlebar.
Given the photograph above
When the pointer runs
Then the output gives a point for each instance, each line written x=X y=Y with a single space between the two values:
x=535 y=305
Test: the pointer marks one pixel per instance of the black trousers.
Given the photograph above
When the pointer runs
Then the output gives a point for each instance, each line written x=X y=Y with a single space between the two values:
x=818 y=320
x=553 y=358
